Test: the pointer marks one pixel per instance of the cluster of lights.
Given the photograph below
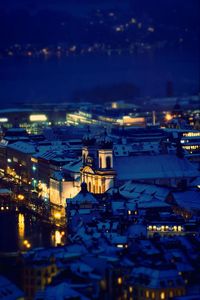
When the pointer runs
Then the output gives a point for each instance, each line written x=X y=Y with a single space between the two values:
x=122 y=246
x=191 y=134
x=165 y=228
x=20 y=197
x=27 y=244
x=192 y=147
x=6 y=208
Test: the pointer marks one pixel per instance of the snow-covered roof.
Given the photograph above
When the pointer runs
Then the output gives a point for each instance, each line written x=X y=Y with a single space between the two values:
x=73 y=166
x=195 y=182
x=5 y=192
x=117 y=239
x=153 y=166
x=83 y=196
x=133 y=189
x=8 y=291
x=62 y=291
x=23 y=147
x=142 y=147
x=190 y=200
x=157 y=278
x=136 y=230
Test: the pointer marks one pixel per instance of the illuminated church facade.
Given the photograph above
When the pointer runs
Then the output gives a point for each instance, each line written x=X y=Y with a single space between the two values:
x=97 y=157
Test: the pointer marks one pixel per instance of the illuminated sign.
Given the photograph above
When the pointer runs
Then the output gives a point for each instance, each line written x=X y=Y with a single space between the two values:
x=38 y=118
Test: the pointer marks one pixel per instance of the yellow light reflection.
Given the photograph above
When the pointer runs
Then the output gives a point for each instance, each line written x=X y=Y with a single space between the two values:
x=57 y=238
x=21 y=229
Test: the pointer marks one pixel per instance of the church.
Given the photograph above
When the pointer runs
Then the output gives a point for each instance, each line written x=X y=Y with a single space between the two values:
x=97 y=170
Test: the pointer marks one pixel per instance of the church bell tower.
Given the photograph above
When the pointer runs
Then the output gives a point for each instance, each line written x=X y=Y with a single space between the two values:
x=97 y=171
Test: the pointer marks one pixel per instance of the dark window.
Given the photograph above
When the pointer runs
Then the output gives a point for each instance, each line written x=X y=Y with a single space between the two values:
x=39 y=282
x=100 y=161
x=108 y=162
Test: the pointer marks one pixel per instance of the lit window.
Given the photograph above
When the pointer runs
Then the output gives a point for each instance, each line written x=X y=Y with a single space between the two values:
x=147 y=294
x=119 y=280
x=171 y=294
x=153 y=295
x=130 y=289
x=103 y=284
x=162 y=295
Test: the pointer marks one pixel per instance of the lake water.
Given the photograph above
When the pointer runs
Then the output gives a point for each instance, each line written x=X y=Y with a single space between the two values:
x=19 y=230
x=35 y=79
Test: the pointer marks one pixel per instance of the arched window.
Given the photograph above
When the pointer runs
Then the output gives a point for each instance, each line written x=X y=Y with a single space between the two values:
x=108 y=162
